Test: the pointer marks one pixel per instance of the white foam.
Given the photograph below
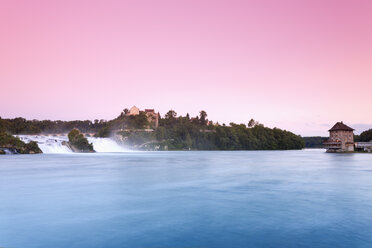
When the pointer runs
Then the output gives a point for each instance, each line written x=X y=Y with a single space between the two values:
x=106 y=145
x=54 y=144
x=48 y=144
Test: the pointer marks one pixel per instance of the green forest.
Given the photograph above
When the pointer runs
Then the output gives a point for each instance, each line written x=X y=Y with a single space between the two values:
x=173 y=133
x=198 y=133
x=365 y=136
x=314 y=141
x=22 y=126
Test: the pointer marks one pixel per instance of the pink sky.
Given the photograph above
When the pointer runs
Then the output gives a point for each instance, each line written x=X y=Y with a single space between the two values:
x=297 y=65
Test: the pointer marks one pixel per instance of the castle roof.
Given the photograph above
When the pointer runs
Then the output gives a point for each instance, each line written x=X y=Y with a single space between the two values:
x=340 y=126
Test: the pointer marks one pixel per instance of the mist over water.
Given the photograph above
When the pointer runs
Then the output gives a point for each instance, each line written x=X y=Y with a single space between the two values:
x=54 y=144
x=106 y=145
x=186 y=199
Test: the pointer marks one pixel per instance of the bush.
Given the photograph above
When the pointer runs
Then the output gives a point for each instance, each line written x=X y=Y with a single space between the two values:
x=78 y=142
x=9 y=141
x=32 y=147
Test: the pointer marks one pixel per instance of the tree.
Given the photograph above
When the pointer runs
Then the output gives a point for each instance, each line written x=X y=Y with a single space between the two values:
x=171 y=115
x=252 y=123
x=188 y=141
x=32 y=147
x=203 y=117
x=103 y=132
x=160 y=133
x=78 y=142
x=73 y=134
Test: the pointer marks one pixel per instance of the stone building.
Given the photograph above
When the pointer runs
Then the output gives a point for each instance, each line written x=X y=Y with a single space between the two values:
x=341 y=138
x=152 y=116
x=134 y=111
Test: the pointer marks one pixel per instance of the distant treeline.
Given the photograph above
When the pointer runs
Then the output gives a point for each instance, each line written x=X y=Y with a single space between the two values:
x=22 y=126
x=314 y=141
x=101 y=127
x=365 y=136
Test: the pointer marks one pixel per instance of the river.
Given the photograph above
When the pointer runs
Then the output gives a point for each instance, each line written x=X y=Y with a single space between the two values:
x=305 y=198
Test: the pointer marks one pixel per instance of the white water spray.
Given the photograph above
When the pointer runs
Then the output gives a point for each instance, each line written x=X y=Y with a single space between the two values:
x=48 y=144
x=106 y=145
x=56 y=144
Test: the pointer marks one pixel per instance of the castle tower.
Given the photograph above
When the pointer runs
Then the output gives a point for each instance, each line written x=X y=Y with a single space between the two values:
x=341 y=138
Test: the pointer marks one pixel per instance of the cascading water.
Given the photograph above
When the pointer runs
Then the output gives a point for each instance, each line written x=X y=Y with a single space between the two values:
x=56 y=144
x=106 y=145
x=48 y=144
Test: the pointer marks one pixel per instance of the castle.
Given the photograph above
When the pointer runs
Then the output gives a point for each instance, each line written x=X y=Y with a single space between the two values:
x=152 y=116
x=341 y=138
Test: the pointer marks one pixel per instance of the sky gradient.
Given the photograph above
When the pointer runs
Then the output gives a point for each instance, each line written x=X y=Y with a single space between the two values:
x=296 y=65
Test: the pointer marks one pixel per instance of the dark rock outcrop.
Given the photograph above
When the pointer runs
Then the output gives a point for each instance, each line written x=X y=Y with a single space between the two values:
x=78 y=143
x=13 y=145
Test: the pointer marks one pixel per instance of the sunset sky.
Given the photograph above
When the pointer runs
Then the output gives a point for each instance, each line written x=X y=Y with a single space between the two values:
x=297 y=65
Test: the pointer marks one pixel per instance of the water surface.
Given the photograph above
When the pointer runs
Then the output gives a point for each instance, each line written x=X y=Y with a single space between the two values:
x=186 y=199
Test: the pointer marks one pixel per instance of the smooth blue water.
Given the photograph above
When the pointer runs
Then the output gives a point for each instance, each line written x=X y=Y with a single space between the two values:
x=187 y=199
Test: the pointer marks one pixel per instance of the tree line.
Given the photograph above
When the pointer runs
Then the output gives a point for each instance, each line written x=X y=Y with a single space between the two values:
x=22 y=126
x=198 y=133
x=173 y=133
x=365 y=136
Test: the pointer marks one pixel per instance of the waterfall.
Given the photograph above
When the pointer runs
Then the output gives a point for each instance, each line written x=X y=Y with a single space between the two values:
x=48 y=144
x=55 y=144
x=106 y=145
